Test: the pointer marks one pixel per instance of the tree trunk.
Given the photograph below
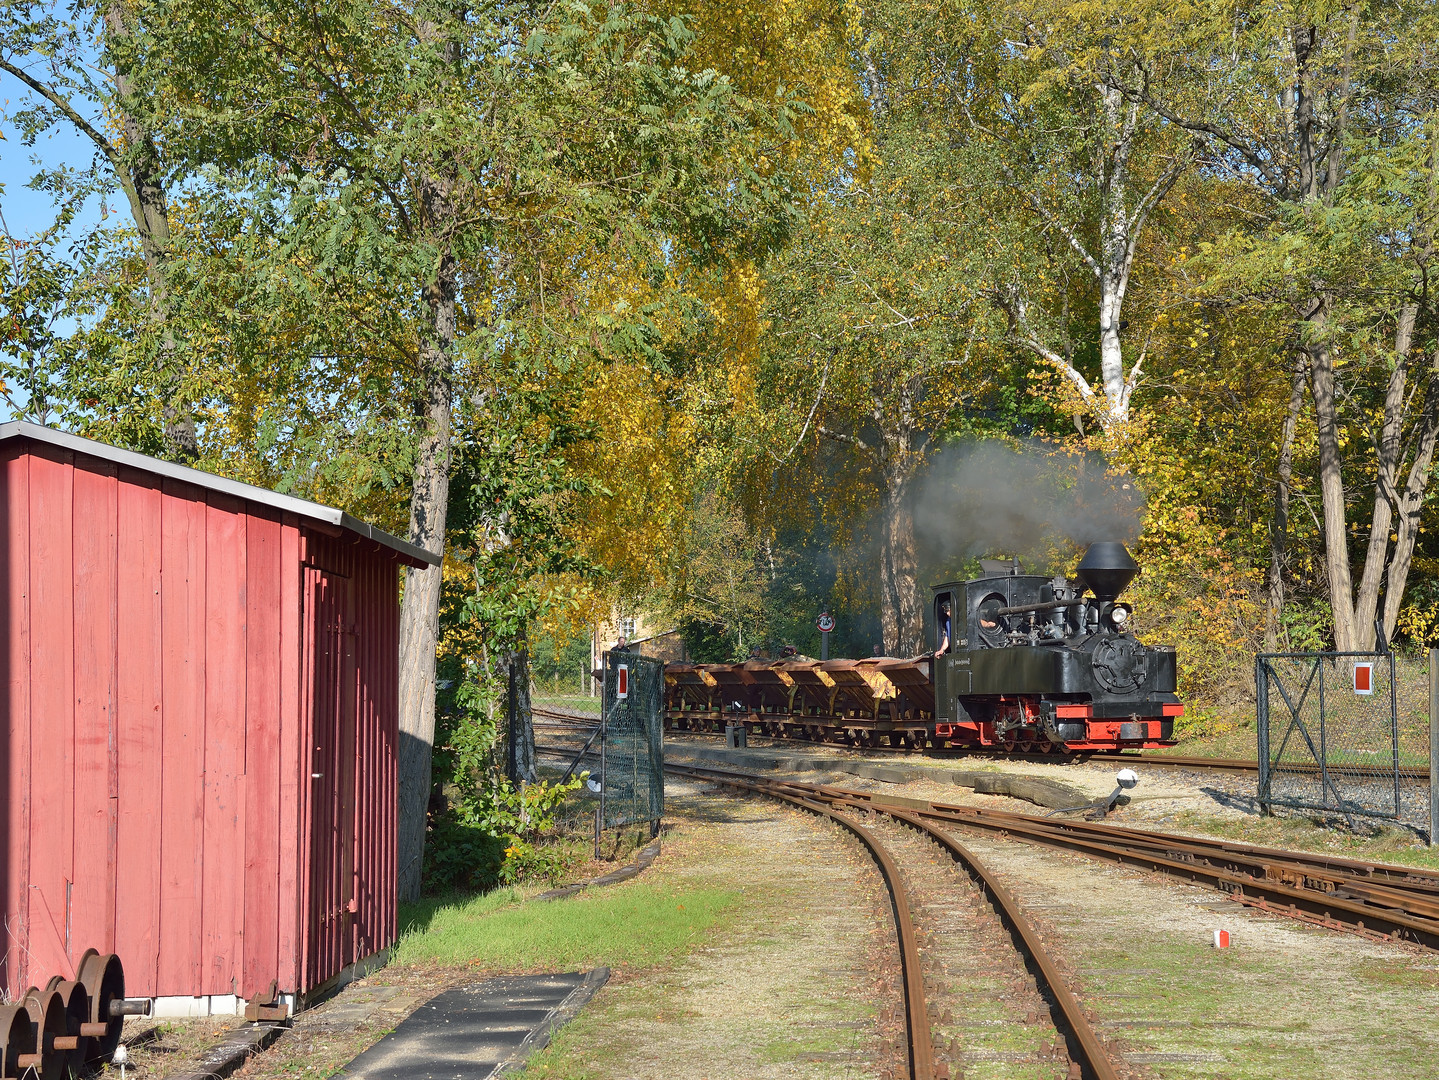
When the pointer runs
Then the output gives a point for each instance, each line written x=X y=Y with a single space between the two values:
x=420 y=607
x=888 y=596
x=141 y=176
x=520 y=737
x=902 y=614
x=1279 y=527
x=1331 y=485
x=1410 y=504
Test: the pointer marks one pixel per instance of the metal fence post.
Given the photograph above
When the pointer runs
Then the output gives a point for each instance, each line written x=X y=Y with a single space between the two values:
x=1394 y=731
x=1261 y=717
x=604 y=719
x=1324 y=786
x=1433 y=745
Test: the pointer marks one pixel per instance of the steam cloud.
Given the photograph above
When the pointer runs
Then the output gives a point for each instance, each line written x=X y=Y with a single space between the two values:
x=988 y=498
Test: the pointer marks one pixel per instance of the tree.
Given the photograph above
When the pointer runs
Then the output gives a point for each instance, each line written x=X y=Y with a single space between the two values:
x=507 y=172
x=1075 y=168
x=874 y=327
x=1284 y=96
x=78 y=67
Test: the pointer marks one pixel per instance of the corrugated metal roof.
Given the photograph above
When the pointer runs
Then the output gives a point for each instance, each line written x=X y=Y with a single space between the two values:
x=300 y=507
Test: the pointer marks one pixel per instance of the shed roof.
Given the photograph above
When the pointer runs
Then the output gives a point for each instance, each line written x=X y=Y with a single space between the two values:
x=313 y=511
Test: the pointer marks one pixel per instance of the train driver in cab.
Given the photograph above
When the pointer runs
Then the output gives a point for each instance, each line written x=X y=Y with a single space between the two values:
x=944 y=627
x=992 y=626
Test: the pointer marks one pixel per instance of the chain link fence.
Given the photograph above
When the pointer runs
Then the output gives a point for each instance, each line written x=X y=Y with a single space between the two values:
x=632 y=754
x=1345 y=733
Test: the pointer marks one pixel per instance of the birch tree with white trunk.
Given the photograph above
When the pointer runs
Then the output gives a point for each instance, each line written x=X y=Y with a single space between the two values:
x=1088 y=170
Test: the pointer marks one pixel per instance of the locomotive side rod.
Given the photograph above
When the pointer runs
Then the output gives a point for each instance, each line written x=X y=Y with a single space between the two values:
x=1049 y=605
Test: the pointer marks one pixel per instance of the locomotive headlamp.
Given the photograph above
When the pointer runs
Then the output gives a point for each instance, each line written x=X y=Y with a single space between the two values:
x=1120 y=615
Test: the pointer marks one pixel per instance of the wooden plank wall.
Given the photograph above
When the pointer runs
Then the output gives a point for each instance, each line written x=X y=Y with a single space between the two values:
x=154 y=763
x=363 y=693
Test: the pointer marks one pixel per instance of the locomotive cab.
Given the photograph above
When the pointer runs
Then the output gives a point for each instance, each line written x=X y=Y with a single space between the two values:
x=1041 y=663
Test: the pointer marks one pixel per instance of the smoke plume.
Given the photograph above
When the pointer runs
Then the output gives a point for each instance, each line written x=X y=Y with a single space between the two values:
x=1044 y=505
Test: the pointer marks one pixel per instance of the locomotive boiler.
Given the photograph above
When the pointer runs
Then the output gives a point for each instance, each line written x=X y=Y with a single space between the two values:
x=1019 y=662
x=1035 y=663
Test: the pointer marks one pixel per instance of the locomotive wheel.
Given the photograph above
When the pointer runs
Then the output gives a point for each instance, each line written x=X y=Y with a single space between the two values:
x=47 y=1014
x=104 y=980
x=17 y=1039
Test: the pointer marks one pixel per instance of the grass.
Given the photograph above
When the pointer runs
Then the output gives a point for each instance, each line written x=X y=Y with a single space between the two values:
x=1249 y=1006
x=634 y=925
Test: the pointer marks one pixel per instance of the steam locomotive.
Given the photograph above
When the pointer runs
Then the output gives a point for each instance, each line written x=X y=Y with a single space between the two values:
x=1021 y=662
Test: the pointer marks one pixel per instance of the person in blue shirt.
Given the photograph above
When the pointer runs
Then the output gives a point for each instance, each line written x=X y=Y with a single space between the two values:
x=943 y=629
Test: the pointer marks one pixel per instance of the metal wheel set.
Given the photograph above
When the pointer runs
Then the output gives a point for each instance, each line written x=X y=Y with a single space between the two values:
x=69 y=1026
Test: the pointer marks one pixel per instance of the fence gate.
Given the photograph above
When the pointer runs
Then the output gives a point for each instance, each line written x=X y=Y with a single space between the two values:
x=632 y=753
x=1328 y=733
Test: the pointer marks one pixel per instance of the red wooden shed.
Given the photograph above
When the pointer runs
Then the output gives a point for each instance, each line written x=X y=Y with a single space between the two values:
x=197 y=756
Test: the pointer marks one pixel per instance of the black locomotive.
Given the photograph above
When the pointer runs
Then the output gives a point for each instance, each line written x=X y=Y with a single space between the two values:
x=1033 y=663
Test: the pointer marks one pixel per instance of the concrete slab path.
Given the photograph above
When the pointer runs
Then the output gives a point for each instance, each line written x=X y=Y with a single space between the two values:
x=476 y=1032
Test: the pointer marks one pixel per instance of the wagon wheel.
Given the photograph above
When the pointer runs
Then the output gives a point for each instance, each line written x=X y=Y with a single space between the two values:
x=104 y=980
x=47 y=1014
x=17 y=1039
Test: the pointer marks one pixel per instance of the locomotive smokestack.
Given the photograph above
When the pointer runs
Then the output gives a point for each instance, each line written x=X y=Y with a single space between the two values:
x=1107 y=567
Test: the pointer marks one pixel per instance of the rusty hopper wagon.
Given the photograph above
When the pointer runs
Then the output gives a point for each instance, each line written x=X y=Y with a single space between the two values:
x=1021 y=663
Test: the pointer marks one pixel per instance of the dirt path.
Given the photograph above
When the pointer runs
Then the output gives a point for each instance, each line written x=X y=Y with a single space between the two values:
x=794 y=984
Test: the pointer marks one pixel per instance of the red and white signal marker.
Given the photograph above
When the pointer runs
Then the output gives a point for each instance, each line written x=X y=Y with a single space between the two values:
x=1221 y=939
x=622 y=681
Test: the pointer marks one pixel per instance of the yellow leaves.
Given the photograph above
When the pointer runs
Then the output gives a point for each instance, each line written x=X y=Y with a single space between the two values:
x=788 y=46
x=639 y=459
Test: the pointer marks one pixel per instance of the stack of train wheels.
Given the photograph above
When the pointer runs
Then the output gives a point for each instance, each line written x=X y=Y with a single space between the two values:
x=70 y=1026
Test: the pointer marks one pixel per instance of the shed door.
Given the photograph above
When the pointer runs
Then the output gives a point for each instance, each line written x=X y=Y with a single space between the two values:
x=330 y=608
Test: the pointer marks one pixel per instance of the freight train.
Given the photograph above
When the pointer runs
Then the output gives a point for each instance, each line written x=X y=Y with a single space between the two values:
x=1020 y=663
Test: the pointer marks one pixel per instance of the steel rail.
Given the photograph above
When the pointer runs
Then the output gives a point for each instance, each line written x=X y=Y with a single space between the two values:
x=1390 y=916
x=1234 y=853
x=1128 y=757
x=821 y=800
x=920 y=1044
x=1383 y=901
x=1256 y=860
x=1091 y=1054
x=1092 y=1050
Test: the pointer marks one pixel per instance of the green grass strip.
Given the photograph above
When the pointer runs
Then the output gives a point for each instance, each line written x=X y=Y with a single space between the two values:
x=632 y=925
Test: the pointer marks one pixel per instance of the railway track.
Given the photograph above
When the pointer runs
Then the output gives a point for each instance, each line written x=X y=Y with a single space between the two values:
x=1085 y=1050
x=1375 y=900
x=1379 y=901
x=561 y=718
x=1077 y=1043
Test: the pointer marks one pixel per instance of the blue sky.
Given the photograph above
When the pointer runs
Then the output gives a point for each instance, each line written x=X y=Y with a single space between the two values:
x=29 y=212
